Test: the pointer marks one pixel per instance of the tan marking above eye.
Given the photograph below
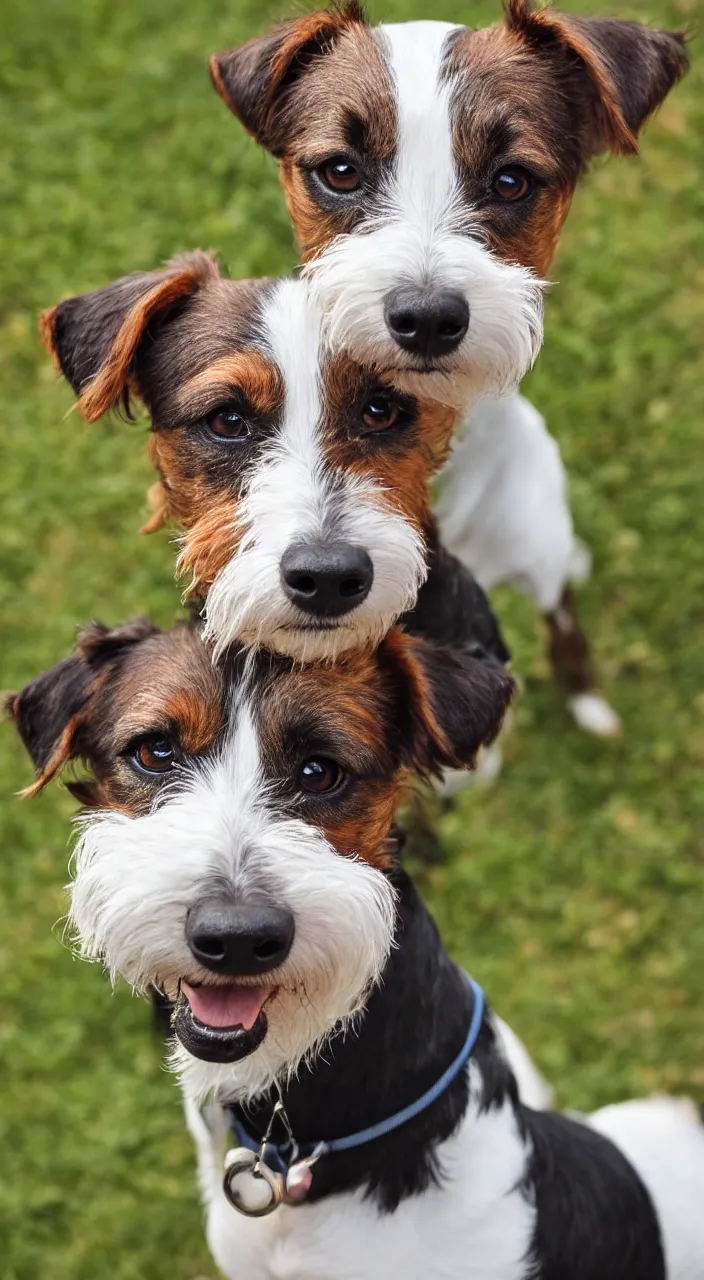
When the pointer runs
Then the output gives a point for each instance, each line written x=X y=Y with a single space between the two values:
x=257 y=378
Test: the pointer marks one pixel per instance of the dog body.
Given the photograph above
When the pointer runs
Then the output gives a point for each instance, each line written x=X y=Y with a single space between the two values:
x=518 y=1195
x=428 y=170
x=237 y=850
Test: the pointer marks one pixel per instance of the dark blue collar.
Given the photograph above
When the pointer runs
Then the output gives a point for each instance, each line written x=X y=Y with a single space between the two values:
x=279 y=1155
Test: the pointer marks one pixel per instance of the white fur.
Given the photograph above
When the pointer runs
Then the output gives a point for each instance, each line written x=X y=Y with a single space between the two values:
x=593 y=713
x=418 y=235
x=216 y=830
x=533 y=1090
x=503 y=506
x=503 y=510
x=664 y=1140
x=476 y=1225
x=293 y=496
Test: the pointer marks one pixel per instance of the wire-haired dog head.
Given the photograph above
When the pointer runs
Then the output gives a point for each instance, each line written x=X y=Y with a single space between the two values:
x=236 y=845
x=300 y=477
x=429 y=168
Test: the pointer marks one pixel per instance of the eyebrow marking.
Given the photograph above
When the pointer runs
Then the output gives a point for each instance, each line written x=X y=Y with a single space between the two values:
x=248 y=371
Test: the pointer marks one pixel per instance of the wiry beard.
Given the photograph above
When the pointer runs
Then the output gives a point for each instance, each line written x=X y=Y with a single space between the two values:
x=135 y=880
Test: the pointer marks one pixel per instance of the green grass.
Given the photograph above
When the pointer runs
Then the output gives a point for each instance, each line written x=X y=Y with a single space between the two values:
x=574 y=888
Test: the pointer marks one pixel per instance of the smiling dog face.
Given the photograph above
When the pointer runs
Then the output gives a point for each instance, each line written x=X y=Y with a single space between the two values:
x=429 y=168
x=300 y=477
x=235 y=849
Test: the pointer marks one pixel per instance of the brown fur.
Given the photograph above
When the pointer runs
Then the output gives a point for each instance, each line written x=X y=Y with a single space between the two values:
x=376 y=713
x=403 y=470
x=209 y=542
x=254 y=81
x=211 y=353
x=568 y=648
x=563 y=87
x=249 y=371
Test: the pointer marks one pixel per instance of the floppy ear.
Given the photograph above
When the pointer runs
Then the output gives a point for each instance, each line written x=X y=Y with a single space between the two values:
x=50 y=711
x=454 y=701
x=253 y=80
x=94 y=338
x=626 y=69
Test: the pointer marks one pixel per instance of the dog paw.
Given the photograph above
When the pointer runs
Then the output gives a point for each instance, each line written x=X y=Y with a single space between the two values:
x=593 y=714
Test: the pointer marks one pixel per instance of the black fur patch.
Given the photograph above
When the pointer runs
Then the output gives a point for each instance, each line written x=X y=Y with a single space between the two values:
x=452 y=609
x=414 y=1025
x=595 y=1219
x=43 y=709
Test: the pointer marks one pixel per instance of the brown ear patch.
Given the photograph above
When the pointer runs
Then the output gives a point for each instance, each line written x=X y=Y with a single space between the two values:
x=455 y=702
x=111 y=383
x=630 y=68
x=253 y=79
x=49 y=713
x=94 y=338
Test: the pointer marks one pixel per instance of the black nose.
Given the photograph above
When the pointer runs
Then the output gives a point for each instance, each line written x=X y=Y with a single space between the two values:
x=239 y=940
x=427 y=322
x=326 y=579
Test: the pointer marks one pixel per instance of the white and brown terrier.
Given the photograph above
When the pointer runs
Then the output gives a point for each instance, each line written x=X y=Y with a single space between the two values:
x=428 y=170
x=237 y=849
x=301 y=477
x=255 y=748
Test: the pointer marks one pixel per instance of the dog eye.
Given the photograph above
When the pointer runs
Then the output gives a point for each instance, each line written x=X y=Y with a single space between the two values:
x=318 y=776
x=512 y=183
x=380 y=412
x=340 y=175
x=227 y=424
x=155 y=754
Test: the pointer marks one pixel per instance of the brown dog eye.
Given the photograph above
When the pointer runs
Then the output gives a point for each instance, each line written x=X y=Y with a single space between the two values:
x=154 y=754
x=380 y=413
x=226 y=424
x=340 y=175
x=512 y=183
x=318 y=776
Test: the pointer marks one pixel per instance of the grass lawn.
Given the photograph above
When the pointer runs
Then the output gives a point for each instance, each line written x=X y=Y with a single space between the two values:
x=575 y=887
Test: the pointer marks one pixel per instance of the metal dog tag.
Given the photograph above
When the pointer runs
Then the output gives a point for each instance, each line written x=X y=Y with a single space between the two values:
x=250 y=1185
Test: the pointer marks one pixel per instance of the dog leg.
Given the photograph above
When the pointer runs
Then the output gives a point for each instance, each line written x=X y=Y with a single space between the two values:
x=209 y=1129
x=573 y=669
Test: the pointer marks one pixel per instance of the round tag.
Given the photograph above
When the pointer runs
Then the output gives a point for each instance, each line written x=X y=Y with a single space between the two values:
x=250 y=1186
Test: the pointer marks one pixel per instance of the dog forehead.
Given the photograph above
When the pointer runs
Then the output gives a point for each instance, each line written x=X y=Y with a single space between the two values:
x=168 y=681
x=347 y=90
x=346 y=704
x=218 y=339
x=503 y=98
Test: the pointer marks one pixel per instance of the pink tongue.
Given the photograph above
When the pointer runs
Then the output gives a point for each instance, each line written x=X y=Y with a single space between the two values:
x=226 y=1006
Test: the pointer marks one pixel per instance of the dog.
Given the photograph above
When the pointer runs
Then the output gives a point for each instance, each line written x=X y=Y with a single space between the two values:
x=149 y=710
x=428 y=170
x=301 y=478
x=237 y=849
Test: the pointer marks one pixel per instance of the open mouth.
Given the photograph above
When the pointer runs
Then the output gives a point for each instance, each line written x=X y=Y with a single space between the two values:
x=221 y=1023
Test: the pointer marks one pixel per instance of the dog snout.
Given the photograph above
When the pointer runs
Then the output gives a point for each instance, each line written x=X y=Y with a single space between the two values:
x=426 y=322
x=239 y=940
x=326 y=580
